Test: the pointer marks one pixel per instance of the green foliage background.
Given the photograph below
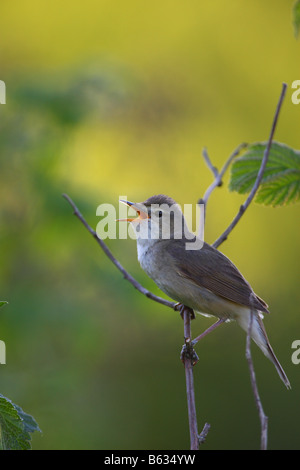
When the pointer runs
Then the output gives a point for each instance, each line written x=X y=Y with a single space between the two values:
x=118 y=98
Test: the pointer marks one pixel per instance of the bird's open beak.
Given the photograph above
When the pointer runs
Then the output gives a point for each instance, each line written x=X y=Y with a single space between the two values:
x=140 y=210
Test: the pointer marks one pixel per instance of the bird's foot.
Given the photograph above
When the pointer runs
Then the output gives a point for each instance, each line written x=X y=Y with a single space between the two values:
x=179 y=307
x=188 y=352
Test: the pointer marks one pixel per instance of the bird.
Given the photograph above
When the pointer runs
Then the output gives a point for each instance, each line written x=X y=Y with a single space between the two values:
x=202 y=279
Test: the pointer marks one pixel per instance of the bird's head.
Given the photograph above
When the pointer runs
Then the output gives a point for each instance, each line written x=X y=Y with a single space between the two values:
x=159 y=217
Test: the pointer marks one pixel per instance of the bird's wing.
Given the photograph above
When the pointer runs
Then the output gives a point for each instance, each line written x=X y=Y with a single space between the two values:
x=211 y=269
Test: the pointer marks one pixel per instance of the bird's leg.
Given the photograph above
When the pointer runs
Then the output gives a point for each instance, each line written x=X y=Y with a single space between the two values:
x=209 y=330
x=179 y=307
x=188 y=351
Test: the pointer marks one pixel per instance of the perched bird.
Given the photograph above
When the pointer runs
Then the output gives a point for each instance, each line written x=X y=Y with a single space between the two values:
x=202 y=279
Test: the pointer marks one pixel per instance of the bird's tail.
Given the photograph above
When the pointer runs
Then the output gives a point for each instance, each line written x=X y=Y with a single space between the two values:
x=260 y=337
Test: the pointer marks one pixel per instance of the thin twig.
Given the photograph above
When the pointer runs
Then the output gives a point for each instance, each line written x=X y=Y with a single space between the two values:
x=217 y=182
x=212 y=168
x=189 y=378
x=108 y=253
x=244 y=206
x=203 y=433
x=188 y=358
x=262 y=417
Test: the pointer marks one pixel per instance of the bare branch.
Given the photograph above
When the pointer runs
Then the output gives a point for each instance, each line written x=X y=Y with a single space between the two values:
x=189 y=358
x=217 y=182
x=249 y=199
x=190 y=392
x=263 y=418
x=108 y=253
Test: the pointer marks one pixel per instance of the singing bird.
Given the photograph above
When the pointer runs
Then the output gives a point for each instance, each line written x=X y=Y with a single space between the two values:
x=203 y=279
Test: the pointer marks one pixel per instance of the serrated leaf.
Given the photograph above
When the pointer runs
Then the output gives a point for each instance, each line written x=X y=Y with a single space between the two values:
x=30 y=424
x=15 y=426
x=279 y=192
x=281 y=180
x=296 y=17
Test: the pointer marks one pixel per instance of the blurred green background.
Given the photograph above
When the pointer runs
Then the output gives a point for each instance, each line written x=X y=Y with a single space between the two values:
x=119 y=98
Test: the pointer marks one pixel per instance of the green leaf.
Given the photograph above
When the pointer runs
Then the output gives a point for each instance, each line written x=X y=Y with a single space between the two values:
x=281 y=180
x=15 y=426
x=296 y=17
x=3 y=302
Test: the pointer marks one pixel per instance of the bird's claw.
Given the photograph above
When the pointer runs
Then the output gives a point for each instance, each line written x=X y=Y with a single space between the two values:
x=179 y=307
x=188 y=352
